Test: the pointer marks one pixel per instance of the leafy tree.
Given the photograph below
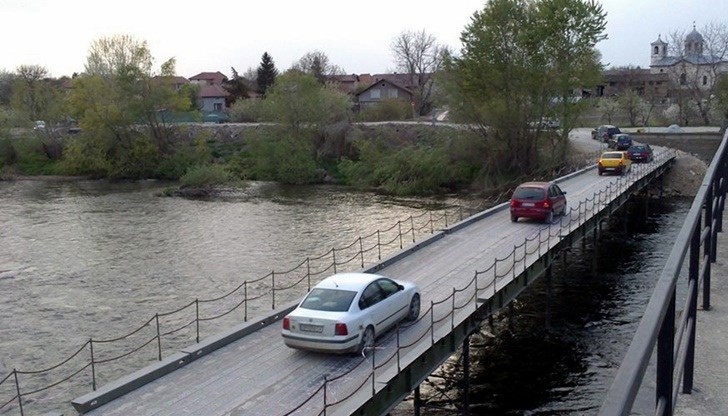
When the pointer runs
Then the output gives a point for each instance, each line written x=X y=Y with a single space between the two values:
x=237 y=86
x=418 y=55
x=32 y=93
x=299 y=101
x=7 y=79
x=266 y=74
x=317 y=63
x=522 y=60
x=721 y=91
x=117 y=94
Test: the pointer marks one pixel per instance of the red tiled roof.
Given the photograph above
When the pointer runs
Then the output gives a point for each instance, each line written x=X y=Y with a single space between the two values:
x=213 y=91
x=210 y=77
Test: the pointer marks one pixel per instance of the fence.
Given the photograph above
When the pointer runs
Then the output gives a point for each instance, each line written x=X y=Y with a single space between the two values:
x=184 y=324
x=675 y=343
x=409 y=341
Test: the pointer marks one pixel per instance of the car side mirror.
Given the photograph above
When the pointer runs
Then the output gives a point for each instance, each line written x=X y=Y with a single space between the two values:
x=400 y=287
x=563 y=192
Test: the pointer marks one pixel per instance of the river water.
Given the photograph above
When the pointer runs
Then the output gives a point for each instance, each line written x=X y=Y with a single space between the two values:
x=92 y=259
x=598 y=293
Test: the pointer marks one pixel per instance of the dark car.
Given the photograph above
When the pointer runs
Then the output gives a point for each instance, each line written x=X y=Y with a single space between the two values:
x=640 y=153
x=620 y=142
x=605 y=132
x=538 y=200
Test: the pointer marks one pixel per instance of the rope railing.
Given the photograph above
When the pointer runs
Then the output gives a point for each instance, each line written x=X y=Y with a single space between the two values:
x=369 y=248
x=575 y=216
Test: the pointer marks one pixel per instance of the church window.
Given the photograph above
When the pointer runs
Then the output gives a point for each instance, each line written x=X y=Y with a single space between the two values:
x=705 y=80
x=657 y=50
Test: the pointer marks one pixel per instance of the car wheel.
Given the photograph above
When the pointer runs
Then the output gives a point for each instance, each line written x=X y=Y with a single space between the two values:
x=600 y=172
x=550 y=217
x=563 y=211
x=414 y=308
x=367 y=341
x=514 y=218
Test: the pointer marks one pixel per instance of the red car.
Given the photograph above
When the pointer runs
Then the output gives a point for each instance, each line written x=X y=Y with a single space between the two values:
x=538 y=200
x=640 y=153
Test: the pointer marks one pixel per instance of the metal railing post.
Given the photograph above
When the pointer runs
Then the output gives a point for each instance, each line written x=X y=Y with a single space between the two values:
x=197 y=320
x=665 y=355
x=693 y=278
x=361 y=250
x=432 y=322
x=412 y=225
x=399 y=227
x=159 y=336
x=245 y=299
x=708 y=208
x=308 y=272
x=93 y=364
x=379 y=245
x=333 y=256
x=17 y=390
x=273 y=287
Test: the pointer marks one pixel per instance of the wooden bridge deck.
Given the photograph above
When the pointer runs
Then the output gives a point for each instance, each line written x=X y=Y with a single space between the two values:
x=259 y=375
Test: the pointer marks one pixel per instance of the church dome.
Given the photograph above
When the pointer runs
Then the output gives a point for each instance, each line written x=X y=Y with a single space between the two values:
x=694 y=37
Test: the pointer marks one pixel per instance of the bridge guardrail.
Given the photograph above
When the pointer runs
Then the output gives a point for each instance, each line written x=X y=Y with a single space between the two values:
x=387 y=240
x=675 y=343
x=184 y=323
x=434 y=321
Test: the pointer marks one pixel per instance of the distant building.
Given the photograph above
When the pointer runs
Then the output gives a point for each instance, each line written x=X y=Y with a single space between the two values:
x=693 y=67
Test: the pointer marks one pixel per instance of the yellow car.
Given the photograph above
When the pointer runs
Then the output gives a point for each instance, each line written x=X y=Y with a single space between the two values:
x=616 y=162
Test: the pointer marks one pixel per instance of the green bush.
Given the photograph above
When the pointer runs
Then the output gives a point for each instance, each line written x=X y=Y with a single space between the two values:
x=205 y=177
x=279 y=158
x=182 y=157
x=406 y=170
x=8 y=155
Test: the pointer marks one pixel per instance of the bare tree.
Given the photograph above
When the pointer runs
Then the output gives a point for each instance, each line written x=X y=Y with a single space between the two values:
x=317 y=63
x=702 y=58
x=31 y=93
x=418 y=55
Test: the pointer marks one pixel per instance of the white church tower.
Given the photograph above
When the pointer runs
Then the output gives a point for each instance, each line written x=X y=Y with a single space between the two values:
x=659 y=50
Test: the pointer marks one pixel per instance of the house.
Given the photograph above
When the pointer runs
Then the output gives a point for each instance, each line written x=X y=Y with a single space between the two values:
x=209 y=78
x=383 y=90
x=212 y=98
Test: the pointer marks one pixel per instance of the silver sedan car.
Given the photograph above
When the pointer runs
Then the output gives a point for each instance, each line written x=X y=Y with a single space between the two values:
x=347 y=311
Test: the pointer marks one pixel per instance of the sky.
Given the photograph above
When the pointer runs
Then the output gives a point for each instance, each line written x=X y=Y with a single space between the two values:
x=356 y=36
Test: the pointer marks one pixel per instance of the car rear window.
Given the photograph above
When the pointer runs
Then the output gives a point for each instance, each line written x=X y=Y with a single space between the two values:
x=528 y=192
x=637 y=148
x=332 y=300
x=612 y=155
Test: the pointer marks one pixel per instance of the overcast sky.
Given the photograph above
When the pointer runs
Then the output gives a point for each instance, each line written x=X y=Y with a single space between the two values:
x=356 y=36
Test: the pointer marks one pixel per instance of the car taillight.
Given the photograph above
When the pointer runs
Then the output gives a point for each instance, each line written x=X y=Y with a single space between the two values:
x=600 y=163
x=286 y=323
x=514 y=203
x=547 y=204
x=340 y=329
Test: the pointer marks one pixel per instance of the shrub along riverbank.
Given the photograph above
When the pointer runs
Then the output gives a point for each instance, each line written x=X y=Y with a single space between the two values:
x=402 y=159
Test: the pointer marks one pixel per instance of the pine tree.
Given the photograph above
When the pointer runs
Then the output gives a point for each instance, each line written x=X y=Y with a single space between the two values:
x=267 y=73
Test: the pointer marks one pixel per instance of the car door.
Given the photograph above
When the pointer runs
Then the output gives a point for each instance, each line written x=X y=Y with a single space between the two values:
x=558 y=199
x=373 y=305
x=394 y=302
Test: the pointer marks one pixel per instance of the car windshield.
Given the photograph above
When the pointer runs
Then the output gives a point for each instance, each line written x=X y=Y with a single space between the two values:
x=612 y=156
x=332 y=300
x=528 y=192
x=637 y=149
